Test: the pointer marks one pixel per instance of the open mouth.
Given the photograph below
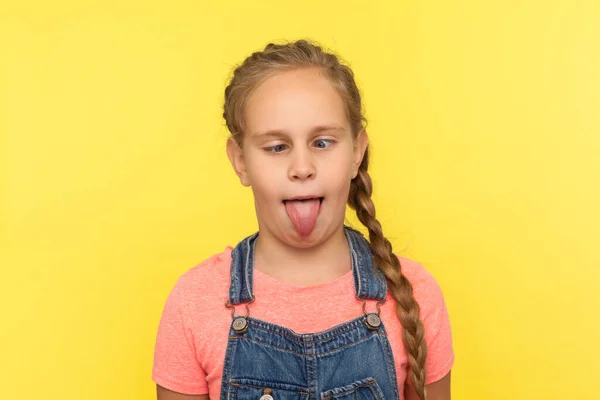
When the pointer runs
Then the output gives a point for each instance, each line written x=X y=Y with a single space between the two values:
x=304 y=200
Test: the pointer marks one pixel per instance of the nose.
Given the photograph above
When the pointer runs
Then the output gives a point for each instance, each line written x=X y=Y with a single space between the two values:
x=302 y=166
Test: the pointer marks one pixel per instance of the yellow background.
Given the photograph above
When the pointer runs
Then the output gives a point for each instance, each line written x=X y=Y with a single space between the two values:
x=485 y=129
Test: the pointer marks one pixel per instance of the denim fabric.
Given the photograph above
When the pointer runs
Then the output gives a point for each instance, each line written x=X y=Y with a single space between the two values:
x=348 y=361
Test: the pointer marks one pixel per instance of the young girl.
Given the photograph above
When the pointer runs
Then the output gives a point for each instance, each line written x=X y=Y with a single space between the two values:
x=307 y=307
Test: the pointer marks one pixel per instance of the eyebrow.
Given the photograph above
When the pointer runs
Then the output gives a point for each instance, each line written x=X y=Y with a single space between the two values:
x=280 y=132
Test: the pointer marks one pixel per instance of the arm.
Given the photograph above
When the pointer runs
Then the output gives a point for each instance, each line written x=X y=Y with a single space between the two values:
x=176 y=369
x=166 y=394
x=439 y=390
x=438 y=334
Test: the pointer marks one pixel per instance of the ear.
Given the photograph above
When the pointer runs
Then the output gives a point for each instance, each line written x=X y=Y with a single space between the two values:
x=236 y=157
x=360 y=146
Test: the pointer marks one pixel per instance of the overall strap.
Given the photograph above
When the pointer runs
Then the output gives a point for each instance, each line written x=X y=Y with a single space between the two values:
x=369 y=282
x=241 y=289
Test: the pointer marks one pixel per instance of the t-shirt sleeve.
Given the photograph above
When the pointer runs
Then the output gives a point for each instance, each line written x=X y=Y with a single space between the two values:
x=438 y=334
x=176 y=365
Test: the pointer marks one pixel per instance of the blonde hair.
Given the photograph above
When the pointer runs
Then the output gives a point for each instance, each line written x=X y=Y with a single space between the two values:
x=303 y=54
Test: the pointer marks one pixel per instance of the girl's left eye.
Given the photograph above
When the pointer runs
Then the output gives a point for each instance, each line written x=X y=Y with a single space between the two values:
x=323 y=143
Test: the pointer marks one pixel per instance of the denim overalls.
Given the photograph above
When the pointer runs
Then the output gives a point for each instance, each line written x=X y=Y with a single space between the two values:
x=264 y=361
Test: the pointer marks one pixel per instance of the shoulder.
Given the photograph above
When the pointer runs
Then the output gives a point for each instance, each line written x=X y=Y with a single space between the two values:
x=208 y=280
x=426 y=288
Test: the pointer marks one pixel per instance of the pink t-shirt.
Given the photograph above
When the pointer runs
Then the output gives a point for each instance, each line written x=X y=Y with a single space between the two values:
x=193 y=331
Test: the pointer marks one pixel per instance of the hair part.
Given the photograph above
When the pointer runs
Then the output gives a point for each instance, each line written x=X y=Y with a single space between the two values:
x=277 y=58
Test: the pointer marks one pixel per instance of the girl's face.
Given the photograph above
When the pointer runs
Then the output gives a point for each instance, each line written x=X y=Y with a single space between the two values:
x=298 y=142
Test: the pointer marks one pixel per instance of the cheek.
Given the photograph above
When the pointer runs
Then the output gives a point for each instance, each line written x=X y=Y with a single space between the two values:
x=265 y=181
x=338 y=181
x=338 y=171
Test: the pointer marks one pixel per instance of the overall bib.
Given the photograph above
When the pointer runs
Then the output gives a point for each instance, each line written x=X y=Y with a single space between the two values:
x=353 y=360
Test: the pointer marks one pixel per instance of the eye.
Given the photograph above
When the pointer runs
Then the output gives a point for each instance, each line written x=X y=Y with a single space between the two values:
x=278 y=148
x=323 y=143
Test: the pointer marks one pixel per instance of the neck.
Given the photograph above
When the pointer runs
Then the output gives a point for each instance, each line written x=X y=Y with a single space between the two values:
x=324 y=262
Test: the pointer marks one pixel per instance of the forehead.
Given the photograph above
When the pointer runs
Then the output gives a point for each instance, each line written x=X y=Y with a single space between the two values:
x=294 y=101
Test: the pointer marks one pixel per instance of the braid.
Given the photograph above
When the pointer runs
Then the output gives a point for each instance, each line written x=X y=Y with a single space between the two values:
x=407 y=308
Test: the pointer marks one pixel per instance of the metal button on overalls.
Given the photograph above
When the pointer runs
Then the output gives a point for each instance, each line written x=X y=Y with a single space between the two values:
x=240 y=325
x=373 y=321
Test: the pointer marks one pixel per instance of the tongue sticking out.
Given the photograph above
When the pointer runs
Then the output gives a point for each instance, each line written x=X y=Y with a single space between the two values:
x=303 y=214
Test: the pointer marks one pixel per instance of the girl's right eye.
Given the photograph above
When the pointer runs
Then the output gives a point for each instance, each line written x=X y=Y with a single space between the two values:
x=278 y=148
